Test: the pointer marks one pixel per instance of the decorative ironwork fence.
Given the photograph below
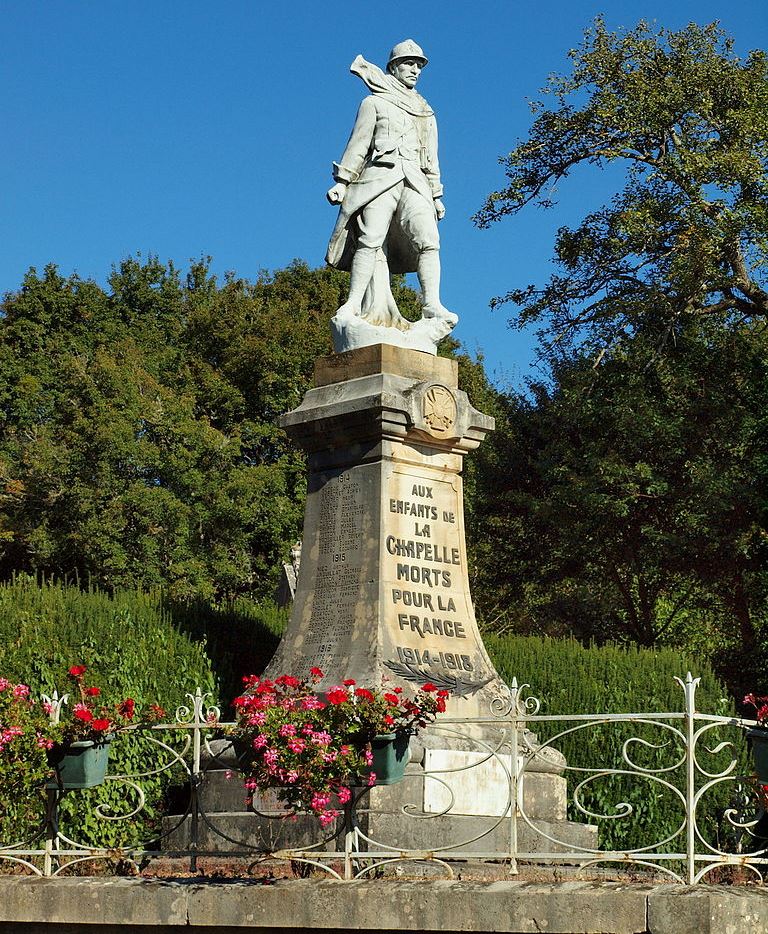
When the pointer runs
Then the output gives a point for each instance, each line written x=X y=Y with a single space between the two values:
x=476 y=793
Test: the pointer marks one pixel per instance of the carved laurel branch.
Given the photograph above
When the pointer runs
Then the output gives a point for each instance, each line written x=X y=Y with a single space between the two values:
x=449 y=682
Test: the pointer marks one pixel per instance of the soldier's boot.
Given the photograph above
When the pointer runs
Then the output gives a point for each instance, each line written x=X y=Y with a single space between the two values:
x=429 y=277
x=363 y=263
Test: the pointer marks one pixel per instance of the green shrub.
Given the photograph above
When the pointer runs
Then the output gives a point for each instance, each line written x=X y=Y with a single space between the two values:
x=569 y=678
x=132 y=648
x=241 y=636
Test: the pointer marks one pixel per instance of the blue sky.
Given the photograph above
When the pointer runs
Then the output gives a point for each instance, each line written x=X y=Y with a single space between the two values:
x=186 y=128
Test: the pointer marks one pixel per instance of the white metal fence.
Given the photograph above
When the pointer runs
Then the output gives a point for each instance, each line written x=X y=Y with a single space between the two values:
x=676 y=798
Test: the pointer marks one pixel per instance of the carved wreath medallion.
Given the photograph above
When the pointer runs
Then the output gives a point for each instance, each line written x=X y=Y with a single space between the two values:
x=439 y=410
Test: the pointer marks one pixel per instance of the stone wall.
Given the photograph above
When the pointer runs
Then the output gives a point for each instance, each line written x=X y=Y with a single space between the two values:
x=135 y=906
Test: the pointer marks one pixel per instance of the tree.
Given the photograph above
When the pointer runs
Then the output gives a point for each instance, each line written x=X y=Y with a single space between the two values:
x=138 y=435
x=632 y=502
x=687 y=235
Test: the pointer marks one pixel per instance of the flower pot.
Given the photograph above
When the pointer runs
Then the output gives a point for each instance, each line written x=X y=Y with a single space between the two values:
x=81 y=764
x=391 y=754
x=759 y=739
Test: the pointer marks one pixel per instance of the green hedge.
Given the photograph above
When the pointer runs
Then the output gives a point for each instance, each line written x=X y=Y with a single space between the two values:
x=568 y=678
x=140 y=644
x=132 y=648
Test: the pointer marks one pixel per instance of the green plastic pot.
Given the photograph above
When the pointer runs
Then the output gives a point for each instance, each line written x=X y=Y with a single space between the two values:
x=82 y=764
x=391 y=754
x=759 y=740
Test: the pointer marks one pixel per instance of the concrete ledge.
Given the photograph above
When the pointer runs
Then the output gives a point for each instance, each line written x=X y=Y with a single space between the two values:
x=133 y=906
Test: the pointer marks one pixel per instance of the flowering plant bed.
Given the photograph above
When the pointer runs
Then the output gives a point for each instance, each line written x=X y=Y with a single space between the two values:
x=310 y=749
x=89 y=718
x=37 y=734
x=24 y=768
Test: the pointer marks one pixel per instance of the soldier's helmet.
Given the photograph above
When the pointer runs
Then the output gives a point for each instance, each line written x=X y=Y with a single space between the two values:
x=407 y=49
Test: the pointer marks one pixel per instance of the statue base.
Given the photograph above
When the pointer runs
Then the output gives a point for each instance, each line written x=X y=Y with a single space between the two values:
x=351 y=332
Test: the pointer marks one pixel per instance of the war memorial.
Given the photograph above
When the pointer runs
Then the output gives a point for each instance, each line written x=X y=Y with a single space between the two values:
x=382 y=597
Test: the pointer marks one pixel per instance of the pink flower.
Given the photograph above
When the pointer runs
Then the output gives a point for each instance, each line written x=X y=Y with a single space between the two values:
x=329 y=757
x=287 y=729
x=271 y=756
x=297 y=744
x=327 y=817
x=343 y=794
x=321 y=738
x=4 y=683
x=320 y=801
x=368 y=756
x=257 y=718
x=371 y=779
x=260 y=741
x=312 y=703
x=292 y=776
x=21 y=690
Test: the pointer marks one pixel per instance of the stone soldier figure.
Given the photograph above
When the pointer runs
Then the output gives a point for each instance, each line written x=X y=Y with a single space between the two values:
x=388 y=188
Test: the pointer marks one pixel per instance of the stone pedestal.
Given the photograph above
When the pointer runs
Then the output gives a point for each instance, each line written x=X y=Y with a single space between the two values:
x=383 y=592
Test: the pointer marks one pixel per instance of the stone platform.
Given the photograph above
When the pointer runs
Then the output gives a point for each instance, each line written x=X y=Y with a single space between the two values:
x=138 y=906
x=405 y=816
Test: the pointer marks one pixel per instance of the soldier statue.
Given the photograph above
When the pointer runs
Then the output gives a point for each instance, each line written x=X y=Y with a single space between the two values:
x=389 y=194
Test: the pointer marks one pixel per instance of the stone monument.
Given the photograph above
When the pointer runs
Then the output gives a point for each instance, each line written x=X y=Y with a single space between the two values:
x=384 y=591
x=382 y=594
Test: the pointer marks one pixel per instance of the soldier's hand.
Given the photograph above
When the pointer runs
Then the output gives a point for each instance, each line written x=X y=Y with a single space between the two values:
x=439 y=209
x=336 y=194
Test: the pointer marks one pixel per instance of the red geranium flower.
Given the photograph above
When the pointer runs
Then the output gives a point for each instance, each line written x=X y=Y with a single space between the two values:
x=92 y=692
x=349 y=682
x=429 y=687
x=77 y=671
x=316 y=672
x=288 y=680
x=337 y=695
x=83 y=714
x=364 y=693
x=101 y=724
x=126 y=708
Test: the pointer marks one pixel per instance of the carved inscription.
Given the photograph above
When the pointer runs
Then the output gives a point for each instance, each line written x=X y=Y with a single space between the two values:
x=427 y=603
x=337 y=576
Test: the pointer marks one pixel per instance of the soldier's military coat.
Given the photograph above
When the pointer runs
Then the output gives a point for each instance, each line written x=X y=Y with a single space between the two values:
x=394 y=140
